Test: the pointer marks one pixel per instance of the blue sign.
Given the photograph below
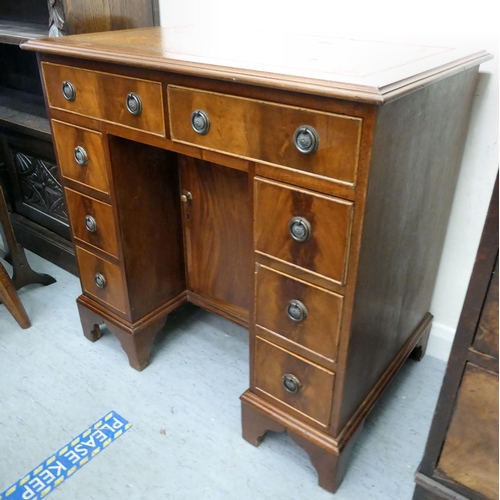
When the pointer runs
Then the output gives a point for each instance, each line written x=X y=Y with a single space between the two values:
x=64 y=463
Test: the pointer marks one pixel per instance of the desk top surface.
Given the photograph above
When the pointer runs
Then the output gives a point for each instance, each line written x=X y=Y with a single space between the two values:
x=361 y=70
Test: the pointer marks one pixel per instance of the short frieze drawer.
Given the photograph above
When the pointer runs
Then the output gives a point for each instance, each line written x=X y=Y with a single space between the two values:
x=294 y=381
x=305 y=229
x=129 y=102
x=304 y=314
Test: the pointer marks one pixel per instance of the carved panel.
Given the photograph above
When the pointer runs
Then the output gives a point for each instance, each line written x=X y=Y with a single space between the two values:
x=57 y=24
x=40 y=185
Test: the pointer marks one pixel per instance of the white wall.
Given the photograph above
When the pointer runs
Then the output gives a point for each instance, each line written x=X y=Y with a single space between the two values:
x=424 y=22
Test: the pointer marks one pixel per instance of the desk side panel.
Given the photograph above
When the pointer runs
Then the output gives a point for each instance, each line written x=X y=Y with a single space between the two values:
x=146 y=183
x=416 y=156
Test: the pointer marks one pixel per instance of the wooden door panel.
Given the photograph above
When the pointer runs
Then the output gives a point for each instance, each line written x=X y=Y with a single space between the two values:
x=217 y=232
x=470 y=452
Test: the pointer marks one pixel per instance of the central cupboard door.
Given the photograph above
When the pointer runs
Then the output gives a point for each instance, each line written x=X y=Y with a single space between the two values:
x=218 y=235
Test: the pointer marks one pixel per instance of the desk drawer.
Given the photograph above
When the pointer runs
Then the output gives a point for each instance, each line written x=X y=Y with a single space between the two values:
x=81 y=155
x=264 y=132
x=322 y=223
x=94 y=270
x=104 y=96
x=92 y=221
x=303 y=313
x=313 y=383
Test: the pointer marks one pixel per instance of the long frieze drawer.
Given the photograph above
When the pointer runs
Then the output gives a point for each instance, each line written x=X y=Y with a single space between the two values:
x=92 y=222
x=129 y=102
x=81 y=155
x=305 y=229
x=101 y=279
x=306 y=387
x=303 y=313
x=319 y=143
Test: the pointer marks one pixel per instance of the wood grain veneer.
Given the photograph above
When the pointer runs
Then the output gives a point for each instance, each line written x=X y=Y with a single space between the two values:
x=66 y=139
x=264 y=132
x=461 y=455
x=218 y=234
x=472 y=437
x=81 y=206
x=314 y=397
x=206 y=219
x=374 y=72
x=325 y=253
x=103 y=96
x=114 y=293
x=150 y=232
x=319 y=332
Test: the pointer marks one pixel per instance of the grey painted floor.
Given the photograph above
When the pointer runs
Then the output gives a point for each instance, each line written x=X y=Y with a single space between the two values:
x=185 y=442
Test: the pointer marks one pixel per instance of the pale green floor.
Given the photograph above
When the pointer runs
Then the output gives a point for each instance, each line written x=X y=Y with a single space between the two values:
x=185 y=442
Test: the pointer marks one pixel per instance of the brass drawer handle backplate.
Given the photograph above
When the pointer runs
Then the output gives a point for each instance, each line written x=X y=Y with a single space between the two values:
x=296 y=311
x=81 y=156
x=134 y=104
x=100 y=280
x=90 y=224
x=68 y=91
x=300 y=229
x=200 y=122
x=306 y=140
x=291 y=383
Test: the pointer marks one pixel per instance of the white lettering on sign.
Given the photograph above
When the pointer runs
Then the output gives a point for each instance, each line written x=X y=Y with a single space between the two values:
x=28 y=493
x=72 y=456
x=58 y=467
x=43 y=479
x=81 y=451
x=61 y=465
x=37 y=484
x=90 y=443
x=100 y=436
x=47 y=476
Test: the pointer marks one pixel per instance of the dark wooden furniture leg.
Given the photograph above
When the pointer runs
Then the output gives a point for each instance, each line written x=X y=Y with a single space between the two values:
x=136 y=339
x=8 y=295
x=14 y=253
x=330 y=462
x=255 y=425
x=419 y=350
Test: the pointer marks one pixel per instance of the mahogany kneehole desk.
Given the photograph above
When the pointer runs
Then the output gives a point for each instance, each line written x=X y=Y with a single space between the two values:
x=306 y=201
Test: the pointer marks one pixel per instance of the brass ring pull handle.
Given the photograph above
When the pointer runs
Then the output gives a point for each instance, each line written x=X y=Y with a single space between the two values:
x=100 y=280
x=68 y=91
x=90 y=224
x=200 y=122
x=81 y=156
x=186 y=196
x=134 y=104
x=291 y=383
x=300 y=229
x=296 y=311
x=306 y=140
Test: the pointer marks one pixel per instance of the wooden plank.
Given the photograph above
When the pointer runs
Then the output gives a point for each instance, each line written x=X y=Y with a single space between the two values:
x=15 y=33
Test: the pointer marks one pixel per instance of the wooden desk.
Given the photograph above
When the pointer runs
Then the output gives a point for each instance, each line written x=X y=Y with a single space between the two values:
x=298 y=187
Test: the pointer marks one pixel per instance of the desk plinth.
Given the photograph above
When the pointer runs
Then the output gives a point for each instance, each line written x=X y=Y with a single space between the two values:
x=304 y=203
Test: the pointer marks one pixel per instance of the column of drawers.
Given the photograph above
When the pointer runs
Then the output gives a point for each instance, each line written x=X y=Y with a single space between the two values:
x=297 y=323
x=300 y=236
x=82 y=161
x=129 y=102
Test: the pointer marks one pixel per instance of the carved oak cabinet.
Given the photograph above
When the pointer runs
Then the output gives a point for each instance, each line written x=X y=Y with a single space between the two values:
x=28 y=171
x=303 y=193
